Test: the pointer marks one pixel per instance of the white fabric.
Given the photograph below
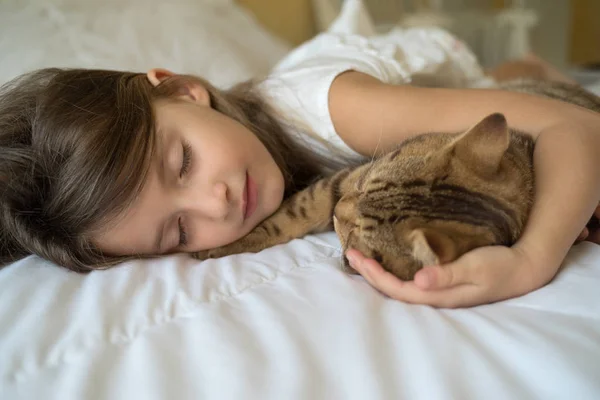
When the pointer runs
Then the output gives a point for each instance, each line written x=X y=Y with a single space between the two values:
x=287 y=324
x=298 y=88
x=215 y=39
x=594 y=88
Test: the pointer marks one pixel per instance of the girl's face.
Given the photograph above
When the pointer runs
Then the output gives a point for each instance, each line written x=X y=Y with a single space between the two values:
x=210 y=182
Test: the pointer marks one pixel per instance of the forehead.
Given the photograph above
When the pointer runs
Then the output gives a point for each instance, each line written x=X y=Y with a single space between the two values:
x=121 y=234
x=131 y=232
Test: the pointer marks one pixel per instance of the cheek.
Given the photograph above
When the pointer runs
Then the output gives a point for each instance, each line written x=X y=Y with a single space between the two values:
x=215 y=235
x=351 y=237
x=345 y=216
x=272 y=187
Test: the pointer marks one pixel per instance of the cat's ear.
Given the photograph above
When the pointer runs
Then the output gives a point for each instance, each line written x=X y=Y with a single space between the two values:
x=483 y=146
x=432 y=247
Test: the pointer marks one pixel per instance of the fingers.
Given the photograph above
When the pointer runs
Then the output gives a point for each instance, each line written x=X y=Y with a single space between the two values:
x=380 y=278
x=437 y=277
x=356 y=259
x=375 y=274
x=455 y=295
x=409 y=292
x=481 y=276
x=583 y=235
x=429 y=277
x=368 y=268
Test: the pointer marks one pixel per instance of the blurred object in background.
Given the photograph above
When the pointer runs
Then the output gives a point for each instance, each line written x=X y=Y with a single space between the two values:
x=566 y=33
x=585 y=33
x=584 y=49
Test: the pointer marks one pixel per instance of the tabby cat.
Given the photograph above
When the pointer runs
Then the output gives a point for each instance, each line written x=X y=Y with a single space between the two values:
x=429 y=201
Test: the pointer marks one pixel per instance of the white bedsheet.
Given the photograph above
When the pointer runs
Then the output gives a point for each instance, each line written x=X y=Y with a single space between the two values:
x=282 y=324
x=287 y=324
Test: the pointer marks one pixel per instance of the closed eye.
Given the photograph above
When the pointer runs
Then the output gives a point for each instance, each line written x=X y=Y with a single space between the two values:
x=186 y=159
x=182 y=234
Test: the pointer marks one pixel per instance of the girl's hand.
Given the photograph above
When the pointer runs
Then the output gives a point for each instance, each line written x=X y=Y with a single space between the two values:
x=484 y=275
x=591 y=232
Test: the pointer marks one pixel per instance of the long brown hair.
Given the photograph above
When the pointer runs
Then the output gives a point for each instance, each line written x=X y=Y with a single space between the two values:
x=76 y=146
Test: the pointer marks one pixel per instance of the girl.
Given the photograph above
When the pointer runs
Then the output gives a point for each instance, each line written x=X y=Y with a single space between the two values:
x=101 y=166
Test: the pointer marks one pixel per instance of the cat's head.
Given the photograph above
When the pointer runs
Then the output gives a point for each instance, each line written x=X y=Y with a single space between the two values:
x=438 y=196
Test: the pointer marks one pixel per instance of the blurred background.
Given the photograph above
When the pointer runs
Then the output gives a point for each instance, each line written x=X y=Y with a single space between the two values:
x=566 y=33
x=230 y=40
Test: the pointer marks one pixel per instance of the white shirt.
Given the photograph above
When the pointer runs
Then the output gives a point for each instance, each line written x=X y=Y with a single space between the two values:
x=298 y=87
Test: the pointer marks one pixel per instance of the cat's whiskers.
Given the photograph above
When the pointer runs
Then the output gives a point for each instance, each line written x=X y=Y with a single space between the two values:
x=373 y=156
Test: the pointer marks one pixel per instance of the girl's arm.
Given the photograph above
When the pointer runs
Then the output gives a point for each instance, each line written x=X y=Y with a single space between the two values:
x=373 y=117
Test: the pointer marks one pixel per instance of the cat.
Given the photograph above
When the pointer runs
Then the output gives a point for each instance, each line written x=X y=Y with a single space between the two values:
x=432 y=199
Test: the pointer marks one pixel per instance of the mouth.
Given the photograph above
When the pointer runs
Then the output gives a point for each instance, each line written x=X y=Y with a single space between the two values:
x=250 y=197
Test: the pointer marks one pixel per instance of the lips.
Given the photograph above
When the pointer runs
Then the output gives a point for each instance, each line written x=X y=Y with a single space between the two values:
x=250 y=197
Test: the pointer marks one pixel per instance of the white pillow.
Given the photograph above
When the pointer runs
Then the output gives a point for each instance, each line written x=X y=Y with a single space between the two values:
x=215 y=39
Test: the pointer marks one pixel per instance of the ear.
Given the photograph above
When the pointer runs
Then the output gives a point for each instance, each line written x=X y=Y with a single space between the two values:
x=189 y=89
x=157 y=75
x=432 y=247
x=483 y=146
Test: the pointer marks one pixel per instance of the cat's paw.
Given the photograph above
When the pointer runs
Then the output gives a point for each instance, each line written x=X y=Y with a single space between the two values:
x=234 y=248
x=202 y=255
x=212 y=253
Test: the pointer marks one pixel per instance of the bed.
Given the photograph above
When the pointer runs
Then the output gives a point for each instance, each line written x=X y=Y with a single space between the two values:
x=286 y=323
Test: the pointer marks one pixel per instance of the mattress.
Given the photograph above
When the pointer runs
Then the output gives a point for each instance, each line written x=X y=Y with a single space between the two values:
x=287 y=323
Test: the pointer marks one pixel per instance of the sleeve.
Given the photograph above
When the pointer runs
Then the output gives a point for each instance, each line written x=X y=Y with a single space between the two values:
x=298 y=88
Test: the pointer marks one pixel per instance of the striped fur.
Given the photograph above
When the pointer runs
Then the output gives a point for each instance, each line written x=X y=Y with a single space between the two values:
x=427 y=206
x=430 y=200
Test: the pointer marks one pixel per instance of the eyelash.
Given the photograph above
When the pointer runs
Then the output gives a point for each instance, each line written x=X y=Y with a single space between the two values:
x=187 y=159
x=182 y=234
x=185 y=167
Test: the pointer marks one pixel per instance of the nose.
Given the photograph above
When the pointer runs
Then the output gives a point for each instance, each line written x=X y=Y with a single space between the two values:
x=213 y=202
x=220 y=198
